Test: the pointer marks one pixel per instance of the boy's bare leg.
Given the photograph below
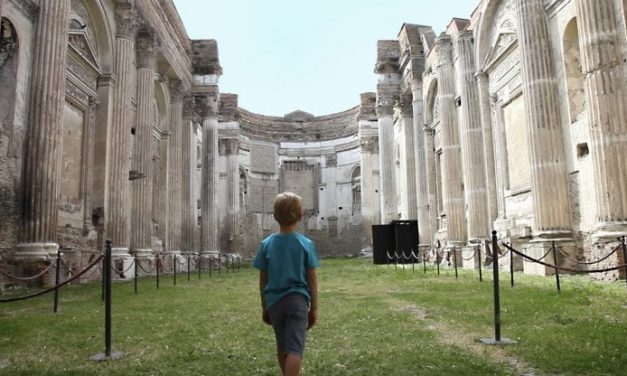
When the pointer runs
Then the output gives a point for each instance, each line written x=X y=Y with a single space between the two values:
x=292 y=365
x=281 y=356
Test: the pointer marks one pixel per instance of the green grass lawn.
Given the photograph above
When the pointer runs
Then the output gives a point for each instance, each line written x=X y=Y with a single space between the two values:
x=372 y=321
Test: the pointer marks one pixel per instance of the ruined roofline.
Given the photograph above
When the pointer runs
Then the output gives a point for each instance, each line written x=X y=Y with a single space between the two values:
x=282 y=119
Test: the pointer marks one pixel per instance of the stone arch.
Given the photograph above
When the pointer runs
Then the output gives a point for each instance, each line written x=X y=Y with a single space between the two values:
x=573 y=71
x=103 y=35
x=431 y=113
x=9 y=59
x=488 y=28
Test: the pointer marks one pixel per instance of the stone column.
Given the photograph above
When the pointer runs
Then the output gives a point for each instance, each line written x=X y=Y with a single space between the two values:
x=452 y=191
x=473 y=160
x=232 y=204
x=174 y=167
x=88 y=166
x=207 y=102
x=546 y=150
x=408 y=162
x=119 y=163
x=388 y=89
x=40 y=186
x=599 y=38
x=188 y=168
x=488 y=144
x=429 y=141
x=422 y=190
x=141 y=187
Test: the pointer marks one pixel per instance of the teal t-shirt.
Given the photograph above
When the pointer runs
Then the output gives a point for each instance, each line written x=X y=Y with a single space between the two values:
x=285 y=258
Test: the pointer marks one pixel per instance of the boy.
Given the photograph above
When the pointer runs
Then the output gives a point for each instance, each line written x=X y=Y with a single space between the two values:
x=288 y=285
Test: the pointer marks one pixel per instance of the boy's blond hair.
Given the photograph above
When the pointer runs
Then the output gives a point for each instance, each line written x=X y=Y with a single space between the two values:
x=288 y=208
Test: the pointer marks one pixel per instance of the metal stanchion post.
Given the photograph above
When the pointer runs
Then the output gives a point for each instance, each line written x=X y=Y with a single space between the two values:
x=189 y=267
x=174 y=262
x=158 y=269
x=57 y=278
x=424 y=262
x=624 y=247
x=497 y=340
x=199 y=265
x=437 y=261
x=455 y=261
x=135 y=286
x=557 y=272
x=107 y=271
x=511 y=268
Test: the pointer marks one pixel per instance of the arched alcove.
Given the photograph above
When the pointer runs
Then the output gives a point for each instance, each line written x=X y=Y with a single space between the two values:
x=573 y=71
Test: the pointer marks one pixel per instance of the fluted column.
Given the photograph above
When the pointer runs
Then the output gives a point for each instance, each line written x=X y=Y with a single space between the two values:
x=429 y=141
x=119 y=163
x=174 y=167
x=188 y=168
x=369 y=144
x=88 y=166
x=422 y=190
x=207 y=102
x=473 y=160
x=232 y=204
x=408 y=162
x=452 y=192
x=548 y=171
x=606 y=99
x=488 y=144
x=141 y=188
x=38 y=232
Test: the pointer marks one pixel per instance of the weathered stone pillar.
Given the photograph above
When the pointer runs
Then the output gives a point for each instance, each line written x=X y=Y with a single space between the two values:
x=408 y=162
x=369 y=141
x=88 y=166
x=207 y=104
x=488 y=144
x=599 y=34
x=175 y=167
x=117 y=211
x=452 y=191
x=422 y=189
x=429 y=142
x=38 y=230
x=188 y=168
x=546 y=150
x=388 y=89
x=232 y=204
x=473 y=160
x=141 y=187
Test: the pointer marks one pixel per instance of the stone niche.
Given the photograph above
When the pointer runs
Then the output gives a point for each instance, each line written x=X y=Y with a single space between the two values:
x=302 y=178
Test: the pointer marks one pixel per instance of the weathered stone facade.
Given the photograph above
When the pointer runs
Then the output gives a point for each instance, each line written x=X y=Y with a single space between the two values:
x=112 y=125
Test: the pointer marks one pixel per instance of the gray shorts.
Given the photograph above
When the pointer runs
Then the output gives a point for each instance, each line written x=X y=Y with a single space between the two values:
x=290 y=317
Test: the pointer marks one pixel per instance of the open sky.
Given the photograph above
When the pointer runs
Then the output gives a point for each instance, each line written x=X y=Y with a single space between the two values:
x=310 y=55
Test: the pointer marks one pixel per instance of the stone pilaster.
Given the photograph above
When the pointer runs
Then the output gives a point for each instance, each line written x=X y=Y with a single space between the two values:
x=369 y=144
x=38 y=230
x=88 y=167
x=408 y=163
x=548 y=171
x=606 y=99
x=452 y=192
x=142 y=186
x=188 y=168
x=232 y=204
x=388 y=90
x=422 y=189
x=207 y=105
x=429 y=142
x=119 y=161
x=483 y=85
x=473 y=159
x=174 y=167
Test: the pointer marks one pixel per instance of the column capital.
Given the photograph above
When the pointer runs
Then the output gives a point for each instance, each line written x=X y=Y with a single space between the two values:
x=177 y=90
x=406 y=105
x=444 y=46
x=231 y=145
x=188 y=107
x=385 y=106
x=145 y=47
x=369 y=144
x=206 y=104
x=126 y=19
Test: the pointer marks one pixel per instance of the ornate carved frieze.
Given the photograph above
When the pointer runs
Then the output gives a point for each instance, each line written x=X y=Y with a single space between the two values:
x=76 y=93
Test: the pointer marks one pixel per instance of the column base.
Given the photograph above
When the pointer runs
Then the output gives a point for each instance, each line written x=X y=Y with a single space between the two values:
x=35 y=252
x=144 y=254
x=540 y=248
x=608 y=232
x=470 y=257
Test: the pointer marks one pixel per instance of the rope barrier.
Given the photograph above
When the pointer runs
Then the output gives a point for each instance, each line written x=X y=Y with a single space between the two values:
x=471 y=257
x=25 y=297
x=141 y=267
x=26 y=278
x=592 y=262
x=121 y=273
x=562 y=268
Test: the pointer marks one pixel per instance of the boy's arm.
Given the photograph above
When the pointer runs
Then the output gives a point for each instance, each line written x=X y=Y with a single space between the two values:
x=263 y=279
x=312 y=280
